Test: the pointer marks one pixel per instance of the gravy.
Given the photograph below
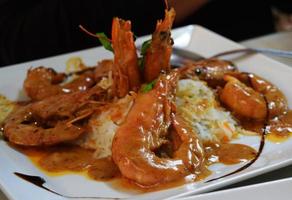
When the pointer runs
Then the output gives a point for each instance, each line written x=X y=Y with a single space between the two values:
x=70 y=159
x=280 y=128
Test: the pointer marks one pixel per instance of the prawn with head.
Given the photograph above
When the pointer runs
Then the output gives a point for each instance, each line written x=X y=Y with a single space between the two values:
x=248 y=96
x=151 y=119
x=253 y=97
x=146 y=128
x=225 y=74
x=52 y=119
x=157 y=56
x=41 y=82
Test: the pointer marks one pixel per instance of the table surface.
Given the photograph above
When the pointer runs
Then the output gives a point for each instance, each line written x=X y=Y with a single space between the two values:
x=281 y=41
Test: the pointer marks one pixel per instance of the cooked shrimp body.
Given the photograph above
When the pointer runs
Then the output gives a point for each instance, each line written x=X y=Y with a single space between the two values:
x=215 y=73
x=277 y=102
x=157 y=57
x=42 y=82
x=145 y=130
x=125 y=70
x=49 y=121
x=18 y=132
x=190 y=148
x=243 y=100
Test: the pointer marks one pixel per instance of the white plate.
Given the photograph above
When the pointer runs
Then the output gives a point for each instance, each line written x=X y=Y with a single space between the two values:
x=268 y=191
x=194 y=38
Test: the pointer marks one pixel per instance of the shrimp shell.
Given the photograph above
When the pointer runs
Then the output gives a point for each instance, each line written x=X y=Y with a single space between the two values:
x=145 y=129
x=50 y=121
x=126 y=75
x=158 y=54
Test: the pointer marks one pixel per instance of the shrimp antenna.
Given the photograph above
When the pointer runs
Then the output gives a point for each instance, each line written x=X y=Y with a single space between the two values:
x=166 y=4
x=90 y=33
x=87 y=32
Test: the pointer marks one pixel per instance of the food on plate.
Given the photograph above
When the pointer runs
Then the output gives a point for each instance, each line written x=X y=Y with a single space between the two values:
x=139 y=119
x=157 y=55
x=145 y=130
x=125 y=70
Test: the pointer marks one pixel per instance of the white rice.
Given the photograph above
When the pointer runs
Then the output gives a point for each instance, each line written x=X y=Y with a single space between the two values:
x=103 y=126
x=197 y=104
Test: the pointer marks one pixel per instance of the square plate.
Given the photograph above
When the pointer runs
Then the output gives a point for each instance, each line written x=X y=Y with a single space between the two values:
x=193 y=38
x=269 y=191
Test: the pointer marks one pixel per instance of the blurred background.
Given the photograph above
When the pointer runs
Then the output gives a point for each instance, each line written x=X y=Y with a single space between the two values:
x=34 y=29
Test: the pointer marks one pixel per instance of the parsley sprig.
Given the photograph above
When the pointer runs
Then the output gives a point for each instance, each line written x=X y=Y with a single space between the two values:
x=145 y=46
x=148 y=87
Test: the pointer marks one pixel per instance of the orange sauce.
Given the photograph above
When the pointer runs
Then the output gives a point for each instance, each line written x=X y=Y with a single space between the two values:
x=277 y=130
x=68 y=159
x=280 y=128
x=65 y=160
x=228 y=153
x=251 y=125
x=123 y=184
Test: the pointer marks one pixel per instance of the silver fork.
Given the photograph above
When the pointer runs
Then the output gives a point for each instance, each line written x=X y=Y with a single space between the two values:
x=180 y=55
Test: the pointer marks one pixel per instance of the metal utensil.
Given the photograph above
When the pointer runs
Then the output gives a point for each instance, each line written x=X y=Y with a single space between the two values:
x=180 y=54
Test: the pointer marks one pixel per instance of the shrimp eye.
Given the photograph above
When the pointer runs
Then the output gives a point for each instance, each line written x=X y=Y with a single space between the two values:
x=171 y=41
x=164 y=35
x=198 y=71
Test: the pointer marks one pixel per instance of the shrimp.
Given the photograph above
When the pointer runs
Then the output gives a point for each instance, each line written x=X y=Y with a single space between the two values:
x=220 y=72
x=157 y=56
x=275 y=101
x=125 y=70
x=145 y=129
x=50 y=121
x=42 y=82
x=243 y=100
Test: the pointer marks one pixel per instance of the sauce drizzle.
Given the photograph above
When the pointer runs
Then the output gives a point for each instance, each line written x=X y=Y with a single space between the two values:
x=39 y=182
x=261 y=147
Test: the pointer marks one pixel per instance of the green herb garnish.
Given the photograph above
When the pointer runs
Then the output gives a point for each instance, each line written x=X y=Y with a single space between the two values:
x=141 y=63
x=148 y=87
x=144 y=48
x=105 y=41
